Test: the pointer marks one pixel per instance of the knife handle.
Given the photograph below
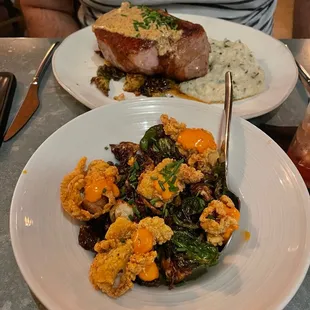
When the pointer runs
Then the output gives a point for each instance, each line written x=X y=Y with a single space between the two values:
x=7 y=90
x=44 y=63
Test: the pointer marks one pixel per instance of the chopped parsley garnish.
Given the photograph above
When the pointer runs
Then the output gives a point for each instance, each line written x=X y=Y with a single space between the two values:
x=136 y=211
x=169 y=172
x=153 y=201
x=153 y=17
x=133 y=177
x=161 y=184
x=106 y=147
x=124 y=15
x=165 y=211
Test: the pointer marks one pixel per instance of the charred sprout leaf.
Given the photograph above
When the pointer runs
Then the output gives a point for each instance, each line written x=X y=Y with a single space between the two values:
x=110 y=72
x=192 y=205
x=124 y=151
x=234 y=198
x=216 y=180
x=133 y=82
x=175 y=265
x=197 y=272
x=219 y=184
x=156 y=86
x=102 y=83
x=202 y=252
x=105 y=74
x=203 y=190
x=159 y=146
x=154 y=283
x=87 y=237
x=151 y=135
x=178 y=222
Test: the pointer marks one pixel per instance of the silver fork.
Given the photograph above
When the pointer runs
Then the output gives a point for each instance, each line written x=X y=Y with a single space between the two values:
x=227 y=113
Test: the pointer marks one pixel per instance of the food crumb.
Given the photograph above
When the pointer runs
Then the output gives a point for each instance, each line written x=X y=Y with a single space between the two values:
x=246 y=235
x=106 y=147
x=120 y=97
x=25 y=171
x=131 y=161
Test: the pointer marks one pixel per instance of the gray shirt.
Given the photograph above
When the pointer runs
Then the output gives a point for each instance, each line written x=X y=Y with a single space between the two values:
x=254 y=13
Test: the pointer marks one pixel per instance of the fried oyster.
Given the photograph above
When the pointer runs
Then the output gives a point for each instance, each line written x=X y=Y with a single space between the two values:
x=219 y=220
x=88 y=193
x=197 y=144
x=127 y=252
x=166 y=181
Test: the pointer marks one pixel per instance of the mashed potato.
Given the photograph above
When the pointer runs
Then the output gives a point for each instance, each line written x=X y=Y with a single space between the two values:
x=248 y=77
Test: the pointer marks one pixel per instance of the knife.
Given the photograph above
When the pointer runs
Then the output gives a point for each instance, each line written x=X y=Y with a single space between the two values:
x=31 y=101
x=7 y=90
x=303 y=76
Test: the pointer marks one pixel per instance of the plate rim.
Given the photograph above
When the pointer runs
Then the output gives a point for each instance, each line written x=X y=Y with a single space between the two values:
x=43 y=295
x=247 y=115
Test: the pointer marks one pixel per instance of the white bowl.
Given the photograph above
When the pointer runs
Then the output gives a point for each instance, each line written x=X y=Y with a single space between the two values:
x=262 y=273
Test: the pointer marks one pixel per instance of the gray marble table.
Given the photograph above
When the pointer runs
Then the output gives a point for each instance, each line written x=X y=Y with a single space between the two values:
x=22 y=57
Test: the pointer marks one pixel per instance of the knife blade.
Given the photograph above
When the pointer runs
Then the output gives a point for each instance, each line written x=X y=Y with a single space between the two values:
x=31 y=101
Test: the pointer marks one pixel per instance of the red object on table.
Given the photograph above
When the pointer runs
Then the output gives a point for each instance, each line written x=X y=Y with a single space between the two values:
x=299 y=149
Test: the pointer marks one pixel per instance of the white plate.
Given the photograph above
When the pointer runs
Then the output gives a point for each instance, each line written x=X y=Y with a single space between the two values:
x=263 y=273
x=75 y=63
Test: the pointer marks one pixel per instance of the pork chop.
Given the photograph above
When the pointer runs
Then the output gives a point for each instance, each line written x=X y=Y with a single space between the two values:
x=137 y=39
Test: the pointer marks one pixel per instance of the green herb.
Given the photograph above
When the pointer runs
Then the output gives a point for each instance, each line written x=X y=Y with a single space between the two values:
x=174 y=178
x=133 y=174
x=154 y=17
x=124 y=15
x=161 y=184
x=135 y=25
x=154 y=177
x=131 y=201
x=169 y=173
x=136 y=165
x=165 y=211
x=172 y=187
x=153 y=201
x=211 y=217
x=106 y=147
x=254 y=75
x=130 y=217
x=138 y=35
x=104 y=190
x=136 y=211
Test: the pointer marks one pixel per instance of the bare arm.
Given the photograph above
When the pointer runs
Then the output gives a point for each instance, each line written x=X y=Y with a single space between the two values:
x=49 y=18
x=301 y=26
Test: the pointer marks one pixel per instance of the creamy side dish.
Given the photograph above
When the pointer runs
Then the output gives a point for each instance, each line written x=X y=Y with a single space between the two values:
x=248 y=76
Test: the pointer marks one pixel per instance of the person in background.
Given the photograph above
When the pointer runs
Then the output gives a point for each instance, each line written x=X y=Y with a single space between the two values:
x=301 y=24
x=59 y=18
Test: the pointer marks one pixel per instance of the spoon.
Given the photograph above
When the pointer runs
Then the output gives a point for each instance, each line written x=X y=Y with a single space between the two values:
x=227 y=114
